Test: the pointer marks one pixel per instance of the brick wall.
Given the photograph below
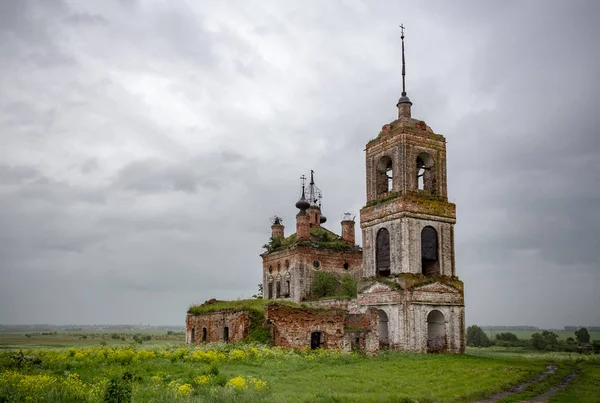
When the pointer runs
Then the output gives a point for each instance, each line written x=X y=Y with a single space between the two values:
x=237 y=322
x=292 y=327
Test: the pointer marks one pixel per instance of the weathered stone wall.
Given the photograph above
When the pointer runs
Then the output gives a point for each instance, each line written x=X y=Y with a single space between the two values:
x=292 y=327
x=362 y=332
x=407 y=314
x=402 y=141
x=330 y=303
x=405 y=244
x=297 y=265
x=237 y=322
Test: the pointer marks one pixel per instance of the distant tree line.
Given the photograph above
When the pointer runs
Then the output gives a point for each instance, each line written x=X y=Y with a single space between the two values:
x=545 y=340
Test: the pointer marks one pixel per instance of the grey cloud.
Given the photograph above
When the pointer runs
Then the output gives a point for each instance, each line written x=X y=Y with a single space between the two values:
x=142 y=145
x=85 y=18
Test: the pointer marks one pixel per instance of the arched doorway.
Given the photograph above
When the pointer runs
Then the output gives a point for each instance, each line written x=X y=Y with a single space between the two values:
x=226 y=334
x=384 y=340
x=436 y=332
x=203 y=335
x=316 y=340
x=193 y=335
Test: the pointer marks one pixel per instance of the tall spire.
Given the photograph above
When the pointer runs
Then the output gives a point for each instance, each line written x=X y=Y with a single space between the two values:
x=404 y=102
x=403 y=62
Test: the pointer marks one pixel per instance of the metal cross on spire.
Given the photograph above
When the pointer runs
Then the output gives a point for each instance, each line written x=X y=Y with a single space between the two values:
x=403 y=62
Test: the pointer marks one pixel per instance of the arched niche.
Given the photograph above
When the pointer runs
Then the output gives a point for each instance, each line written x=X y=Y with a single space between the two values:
x=436 y=332
x=382 y=253
x=430 y=265
x=382 y=324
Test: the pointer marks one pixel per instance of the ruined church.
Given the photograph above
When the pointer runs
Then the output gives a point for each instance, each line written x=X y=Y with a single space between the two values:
x=408 y=295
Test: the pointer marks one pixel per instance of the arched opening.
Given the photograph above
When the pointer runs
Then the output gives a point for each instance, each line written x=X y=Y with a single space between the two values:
x=270 y=290
x=316 y=340
x=193 y=335
x=436 y=332
x=430 y=265
x=287 y=288
x=384 y=175
x=203 y=335
x=226 y=334
x=425 y=173
x=382 y=325
x=382 y=253
x=278 y=289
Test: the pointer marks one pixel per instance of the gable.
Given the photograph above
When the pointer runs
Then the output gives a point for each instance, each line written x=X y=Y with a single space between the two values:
x=437 y=287
x=376 y=288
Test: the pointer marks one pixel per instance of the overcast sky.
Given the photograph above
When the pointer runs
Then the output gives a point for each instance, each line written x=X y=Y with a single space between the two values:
x=145 y=144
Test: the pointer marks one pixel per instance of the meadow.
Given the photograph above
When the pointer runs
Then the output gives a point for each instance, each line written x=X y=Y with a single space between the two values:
x=162 y=370
x=526 y=334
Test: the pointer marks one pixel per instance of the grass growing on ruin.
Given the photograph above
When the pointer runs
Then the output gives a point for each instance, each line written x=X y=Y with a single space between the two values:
x=253 y=305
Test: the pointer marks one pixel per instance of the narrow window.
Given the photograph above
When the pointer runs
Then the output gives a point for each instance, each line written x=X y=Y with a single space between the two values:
x=429 y=252
x=203 y=335
x=270 y=291
x=287 y=288
x=278 y=290
x=193 y=335
x=382 y=253
x=226 y=334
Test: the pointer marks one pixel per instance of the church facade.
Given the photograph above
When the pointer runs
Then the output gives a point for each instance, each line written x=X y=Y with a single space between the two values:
x=408 y=294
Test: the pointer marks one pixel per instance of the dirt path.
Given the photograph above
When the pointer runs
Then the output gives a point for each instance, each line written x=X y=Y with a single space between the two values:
x=543 y=398
x=550 y=369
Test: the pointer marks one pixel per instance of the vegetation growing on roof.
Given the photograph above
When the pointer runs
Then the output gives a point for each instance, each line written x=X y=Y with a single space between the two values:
x=319 y=238
x=426 y=201
x=409 y=281
x=252 y=305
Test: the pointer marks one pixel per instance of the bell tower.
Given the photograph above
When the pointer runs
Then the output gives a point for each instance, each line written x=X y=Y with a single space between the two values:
x=407 y=223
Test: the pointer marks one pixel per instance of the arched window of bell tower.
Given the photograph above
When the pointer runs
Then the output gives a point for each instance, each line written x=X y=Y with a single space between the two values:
x=430 y=265
x=425 y=173
x=382 y=253
x=384 y=175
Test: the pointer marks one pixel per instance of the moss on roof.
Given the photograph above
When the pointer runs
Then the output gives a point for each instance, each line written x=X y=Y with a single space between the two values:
x=252 y=305
x=319 y=238
x=410 y=281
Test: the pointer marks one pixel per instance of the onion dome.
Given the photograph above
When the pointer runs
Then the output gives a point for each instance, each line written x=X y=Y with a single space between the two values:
x=302 y=204
x=323 y=219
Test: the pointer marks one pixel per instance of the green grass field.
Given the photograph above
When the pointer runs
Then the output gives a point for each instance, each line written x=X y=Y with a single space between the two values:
x=526 y=334
x=32 y=340
x=163 y=370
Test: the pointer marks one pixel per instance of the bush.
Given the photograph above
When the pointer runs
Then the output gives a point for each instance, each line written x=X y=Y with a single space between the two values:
x=476 y=337
x=324 y=285
x=349 y=286
x=583 y=336
x=118 y=391
x=507 y=336
x=546 y=340
x=596 y=346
